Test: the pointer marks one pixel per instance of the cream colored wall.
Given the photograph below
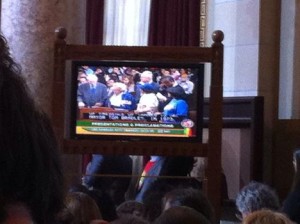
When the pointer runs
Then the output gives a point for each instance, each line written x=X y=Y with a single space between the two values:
x=251 y=57
x=239 y=20
x=29 y=28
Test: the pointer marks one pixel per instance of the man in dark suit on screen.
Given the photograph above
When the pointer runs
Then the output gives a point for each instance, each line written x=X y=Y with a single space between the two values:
x=91 y=94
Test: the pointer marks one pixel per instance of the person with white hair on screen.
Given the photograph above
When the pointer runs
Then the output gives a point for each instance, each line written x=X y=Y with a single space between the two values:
x=121 y=99
x=147 y=78
x=91 y=94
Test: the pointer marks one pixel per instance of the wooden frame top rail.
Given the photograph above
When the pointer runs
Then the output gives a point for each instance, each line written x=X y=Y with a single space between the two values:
x=96 y=52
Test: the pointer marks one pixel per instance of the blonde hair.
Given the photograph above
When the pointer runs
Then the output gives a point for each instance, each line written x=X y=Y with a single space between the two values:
x=266 y=216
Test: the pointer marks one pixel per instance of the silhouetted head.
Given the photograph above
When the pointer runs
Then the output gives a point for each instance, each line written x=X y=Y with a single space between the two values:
x=256 y=196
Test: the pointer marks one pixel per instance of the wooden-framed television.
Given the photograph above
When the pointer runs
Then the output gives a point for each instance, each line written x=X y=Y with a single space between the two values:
x=66 y=116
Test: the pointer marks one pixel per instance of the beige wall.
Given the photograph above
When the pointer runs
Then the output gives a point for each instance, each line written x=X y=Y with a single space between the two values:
x=29 y=28
x=251 y=55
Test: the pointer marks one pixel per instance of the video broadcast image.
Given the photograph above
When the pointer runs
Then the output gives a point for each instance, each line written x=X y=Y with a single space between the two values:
x=138 y=101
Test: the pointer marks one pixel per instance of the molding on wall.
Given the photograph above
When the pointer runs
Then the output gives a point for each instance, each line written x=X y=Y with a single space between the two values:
x=203 y=12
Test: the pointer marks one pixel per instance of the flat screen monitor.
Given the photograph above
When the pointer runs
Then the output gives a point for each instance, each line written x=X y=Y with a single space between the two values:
x=136 y=101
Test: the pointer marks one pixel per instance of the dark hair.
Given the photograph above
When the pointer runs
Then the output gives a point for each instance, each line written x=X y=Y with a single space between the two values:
x=192 y=198
x=177 y=92
x=30 y=170
x=130 y=207
x=79 y=208
x=105 y=204
x=129 y=219
x=181 y=214
x=177 y=166
x=296 y=160
x=256 y=196
x=152 y=198
x=167 y=78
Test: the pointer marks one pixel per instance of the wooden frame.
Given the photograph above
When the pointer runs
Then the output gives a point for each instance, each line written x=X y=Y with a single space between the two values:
x=211 y=149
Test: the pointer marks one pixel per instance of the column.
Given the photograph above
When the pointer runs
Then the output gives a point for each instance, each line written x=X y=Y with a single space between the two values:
x=29 y=28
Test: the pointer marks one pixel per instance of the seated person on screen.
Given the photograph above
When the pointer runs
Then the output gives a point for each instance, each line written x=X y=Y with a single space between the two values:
x=163 y=96
x=147 y=78
x=121 y=99
x=177 y=107
x=92 y=94
x=109 y=83
x=116 y=187
x=82 y=77
x=148 y=101
x=185 y=83
x=131 y=86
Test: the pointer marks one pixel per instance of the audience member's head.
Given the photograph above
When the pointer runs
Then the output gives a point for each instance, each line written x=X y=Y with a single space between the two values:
x=130 y=207
x=265 y=216
x=30 y=168
x=189 y=197
x=153 y=199
x=181 y=214
x=256 y=196
x=103 y=200
x=129 y=219
x=80 y=208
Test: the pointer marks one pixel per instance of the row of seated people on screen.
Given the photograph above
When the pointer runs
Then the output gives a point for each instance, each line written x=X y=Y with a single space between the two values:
x=148 y=97
x=148 y=76
x=132 y=76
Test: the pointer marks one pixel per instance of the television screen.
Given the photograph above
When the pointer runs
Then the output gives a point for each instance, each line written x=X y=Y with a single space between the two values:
x=136 y=100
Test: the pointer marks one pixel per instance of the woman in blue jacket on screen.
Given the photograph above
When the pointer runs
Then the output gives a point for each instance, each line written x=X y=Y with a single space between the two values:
x=121 y=99
x=177 y=108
